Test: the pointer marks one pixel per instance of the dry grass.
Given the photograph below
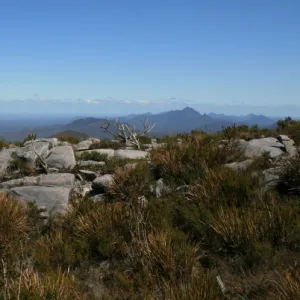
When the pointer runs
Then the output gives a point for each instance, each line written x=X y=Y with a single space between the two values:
x=13 y=222
x=288 y=285
x=130 y=183
x=54 y=286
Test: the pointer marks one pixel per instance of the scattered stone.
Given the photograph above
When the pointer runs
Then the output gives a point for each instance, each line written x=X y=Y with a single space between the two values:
x=84 y=145
x=131 y=154
x=289 y=145
x=242 y=165
x=81 y=189
x=62 y=157
x=99 y=198
x=130 y=166
x=88 y=175
x=101 y=182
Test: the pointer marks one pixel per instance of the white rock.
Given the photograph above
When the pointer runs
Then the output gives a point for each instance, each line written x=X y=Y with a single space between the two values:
x=131 y=154
x=62 y=157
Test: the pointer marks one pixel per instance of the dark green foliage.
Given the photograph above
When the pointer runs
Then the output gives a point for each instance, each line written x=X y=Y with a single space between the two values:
x=94 y=155
x=289 y=177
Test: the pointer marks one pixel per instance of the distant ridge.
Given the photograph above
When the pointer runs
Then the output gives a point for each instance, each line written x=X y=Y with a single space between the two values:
x=169 y=122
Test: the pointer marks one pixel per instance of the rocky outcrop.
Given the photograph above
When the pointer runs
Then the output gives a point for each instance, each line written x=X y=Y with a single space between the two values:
x=289 y=145
x=5 y=158
x=62 y=157
x=256 y=147
x=54 y=199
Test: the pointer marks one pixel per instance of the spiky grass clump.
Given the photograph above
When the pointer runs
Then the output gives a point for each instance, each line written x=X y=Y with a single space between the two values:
x=222 y=186
x=53 y=285
x=288 y=285
x=185 y=162
x=289 y=177
x=130 y=183
x=13 y=222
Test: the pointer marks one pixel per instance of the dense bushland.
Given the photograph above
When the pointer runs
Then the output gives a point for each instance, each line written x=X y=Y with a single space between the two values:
x=224 y=236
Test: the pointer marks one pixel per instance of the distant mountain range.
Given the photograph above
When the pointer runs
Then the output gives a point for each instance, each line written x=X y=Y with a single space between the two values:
x=170 y=122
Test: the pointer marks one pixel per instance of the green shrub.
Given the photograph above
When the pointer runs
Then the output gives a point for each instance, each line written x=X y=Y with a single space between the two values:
x=94 y=155
x=289 y=177
x=22 y=164
x=3 y=144
x=130 y=183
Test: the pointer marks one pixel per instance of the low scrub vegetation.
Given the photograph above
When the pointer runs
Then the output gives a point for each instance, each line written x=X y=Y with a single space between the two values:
x=223 y=236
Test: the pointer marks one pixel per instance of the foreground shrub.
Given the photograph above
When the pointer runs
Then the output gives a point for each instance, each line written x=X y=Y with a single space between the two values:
x=222 y=186
x=13 y=223
x=21 y=164
x=33 y=286
x=130 y=183
x=288 y=285
x=185 y=162
x=289 y=177
x=94 y=155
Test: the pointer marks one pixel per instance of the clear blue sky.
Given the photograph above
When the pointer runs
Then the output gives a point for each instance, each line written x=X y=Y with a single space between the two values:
x=130 y=56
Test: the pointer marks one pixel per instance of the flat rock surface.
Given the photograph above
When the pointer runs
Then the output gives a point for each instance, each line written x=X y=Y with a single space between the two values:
x=62 y=157
x=60 y=179
x=84 y=163
x=53 y=199
x=131 y=154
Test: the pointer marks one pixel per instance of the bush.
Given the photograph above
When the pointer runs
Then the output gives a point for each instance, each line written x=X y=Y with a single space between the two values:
x=94 y=155
x=54 y=285
x=3 y=144
x=289 y=177
x=222 y=186
x=21 y=164
x=185 y=162
x=130 y=183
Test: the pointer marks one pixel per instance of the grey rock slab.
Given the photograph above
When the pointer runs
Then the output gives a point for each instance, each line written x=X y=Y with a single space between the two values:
x=242 y=165
x=256 y=147
x=271 y=176
x=289 y=145
x=101 y=182
x=60 y=179
x=53 y=142
x=84 y=145
x=62 y=157
x=54 y=199
x=108 y=152
x=5 y=158
x=131 y=154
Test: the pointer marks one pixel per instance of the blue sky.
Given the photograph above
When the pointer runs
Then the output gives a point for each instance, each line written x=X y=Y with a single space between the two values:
x=138 y=56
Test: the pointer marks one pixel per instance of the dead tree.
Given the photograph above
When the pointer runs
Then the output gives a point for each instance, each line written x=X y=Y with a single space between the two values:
x=127 y=133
